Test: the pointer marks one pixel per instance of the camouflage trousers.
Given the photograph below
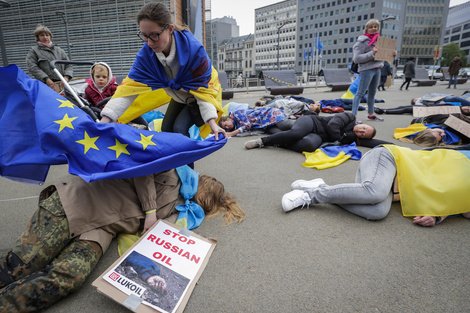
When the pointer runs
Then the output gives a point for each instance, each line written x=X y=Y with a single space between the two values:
x=45 y=265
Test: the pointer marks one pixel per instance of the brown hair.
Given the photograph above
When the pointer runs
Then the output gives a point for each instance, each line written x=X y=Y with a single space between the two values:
x=41 y=29
x=213 y=198
x=223 y=119
x=97 y=65
x=158 y=13
x=426 y=138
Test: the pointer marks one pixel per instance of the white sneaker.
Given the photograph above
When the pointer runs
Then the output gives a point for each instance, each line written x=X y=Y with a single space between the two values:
x=255 y=143
x=306 y=184
x=294 y=199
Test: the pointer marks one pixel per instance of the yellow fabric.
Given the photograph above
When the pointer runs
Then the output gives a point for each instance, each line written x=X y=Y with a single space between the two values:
x=149 y=100
x=225 y=109
x=432 y=183
x=412 y=129
x=125 y=241
x=347 y=95
x=320 y=160
x=183 y=222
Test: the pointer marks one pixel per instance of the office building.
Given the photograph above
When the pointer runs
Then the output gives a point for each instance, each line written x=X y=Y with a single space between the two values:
x=236 y=56
x=98 y=30
x=458 y=28
x=218 y=30
x=275 y=36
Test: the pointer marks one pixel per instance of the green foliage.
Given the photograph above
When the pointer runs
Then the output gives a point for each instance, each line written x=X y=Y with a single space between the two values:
x=450 y=51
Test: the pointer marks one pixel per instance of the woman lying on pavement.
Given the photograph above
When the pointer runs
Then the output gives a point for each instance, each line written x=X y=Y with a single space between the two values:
x=309 y=132
x=428 y=192
x=266 y=119
x=76 y=221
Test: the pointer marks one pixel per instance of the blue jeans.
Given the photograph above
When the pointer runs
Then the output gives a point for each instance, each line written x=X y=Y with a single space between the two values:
x=371 y=195
x=369 y=80
x=453 y=77
x=179 y=117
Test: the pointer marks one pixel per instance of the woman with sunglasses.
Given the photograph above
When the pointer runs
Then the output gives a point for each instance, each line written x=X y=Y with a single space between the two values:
x=173 y=60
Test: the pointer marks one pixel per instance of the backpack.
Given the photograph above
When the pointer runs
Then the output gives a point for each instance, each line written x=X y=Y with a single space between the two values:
x=354 y=67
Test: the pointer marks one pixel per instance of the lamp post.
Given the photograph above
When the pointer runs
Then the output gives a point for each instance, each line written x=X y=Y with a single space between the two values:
x=388 y=18
x=278 y=33
x=62 y=14
x=3 y=4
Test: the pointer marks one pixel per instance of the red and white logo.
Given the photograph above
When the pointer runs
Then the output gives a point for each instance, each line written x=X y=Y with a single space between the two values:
x=114 y=276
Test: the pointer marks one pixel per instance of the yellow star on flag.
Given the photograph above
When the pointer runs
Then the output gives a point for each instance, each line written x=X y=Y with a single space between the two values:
x=65 y=122
x=66 y=104
x=146 y=141
x=88 y=142
x=119 y=148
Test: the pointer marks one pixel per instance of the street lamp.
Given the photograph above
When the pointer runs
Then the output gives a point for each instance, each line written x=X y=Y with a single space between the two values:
x=3 y=4
x=388 y=18
x=62 y=14
x=278 y=32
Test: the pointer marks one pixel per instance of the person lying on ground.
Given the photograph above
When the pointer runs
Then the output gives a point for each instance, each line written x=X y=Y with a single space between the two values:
x=430 y=195
x=431 y=131
x=76 y=222
x=408 y=109
x=261 y=118
x=440 y=99
x=309 y=132
x=292 y=107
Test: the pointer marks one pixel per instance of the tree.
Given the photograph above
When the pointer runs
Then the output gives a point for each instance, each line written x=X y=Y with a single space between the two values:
x=450 y=51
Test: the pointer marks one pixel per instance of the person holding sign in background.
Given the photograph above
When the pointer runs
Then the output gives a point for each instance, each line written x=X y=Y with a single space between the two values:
x=75 y=224
x=365 y=51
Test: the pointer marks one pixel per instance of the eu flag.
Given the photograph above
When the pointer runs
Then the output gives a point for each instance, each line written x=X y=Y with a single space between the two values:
x=39 y=128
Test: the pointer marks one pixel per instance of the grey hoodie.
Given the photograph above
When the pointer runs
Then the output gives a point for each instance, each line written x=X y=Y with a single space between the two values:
x=364 y=56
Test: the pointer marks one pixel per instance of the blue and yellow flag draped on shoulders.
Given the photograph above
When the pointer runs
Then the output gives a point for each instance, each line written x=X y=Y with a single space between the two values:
x=39 y=128
x=147 y=78
x=432 y=182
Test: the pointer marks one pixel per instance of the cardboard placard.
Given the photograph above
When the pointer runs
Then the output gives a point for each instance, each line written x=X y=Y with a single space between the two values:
x=434 y=99
x=175 y=254
x=419 y=111
x=386 y=49
x=459 y=125
x=388 y=82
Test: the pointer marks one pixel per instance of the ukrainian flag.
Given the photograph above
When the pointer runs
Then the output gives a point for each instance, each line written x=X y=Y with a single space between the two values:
x=432 y=182
x=147 y=79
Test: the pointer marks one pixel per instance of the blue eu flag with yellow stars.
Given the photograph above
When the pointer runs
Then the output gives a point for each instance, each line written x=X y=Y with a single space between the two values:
x=39 y=128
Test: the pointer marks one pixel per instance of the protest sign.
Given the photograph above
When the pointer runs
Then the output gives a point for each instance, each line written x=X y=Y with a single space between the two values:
x=386 y=49
x=458 y=125
x=419 y=111
x=159 y=272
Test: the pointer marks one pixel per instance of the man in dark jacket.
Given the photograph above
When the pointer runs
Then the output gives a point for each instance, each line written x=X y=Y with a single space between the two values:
x=409 y=72
x=385 y=71
x=310 y=131
x=454 y=68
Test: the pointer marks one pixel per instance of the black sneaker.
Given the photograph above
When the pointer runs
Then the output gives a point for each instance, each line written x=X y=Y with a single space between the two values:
x=379 y=111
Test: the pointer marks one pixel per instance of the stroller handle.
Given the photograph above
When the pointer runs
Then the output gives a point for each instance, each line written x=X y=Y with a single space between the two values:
x=53 y=63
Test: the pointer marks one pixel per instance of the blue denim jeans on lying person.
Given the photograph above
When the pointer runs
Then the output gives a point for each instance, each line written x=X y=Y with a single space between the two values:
x=369 y=80
x=371 y=195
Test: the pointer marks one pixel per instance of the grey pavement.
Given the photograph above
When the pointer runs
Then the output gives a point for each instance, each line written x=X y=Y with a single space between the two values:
x=320 y=259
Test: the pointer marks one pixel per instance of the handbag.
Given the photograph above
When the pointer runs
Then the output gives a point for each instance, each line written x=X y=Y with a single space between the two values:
x=355 y=67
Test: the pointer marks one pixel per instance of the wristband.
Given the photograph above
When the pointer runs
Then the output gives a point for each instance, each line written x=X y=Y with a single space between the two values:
x=148 y=212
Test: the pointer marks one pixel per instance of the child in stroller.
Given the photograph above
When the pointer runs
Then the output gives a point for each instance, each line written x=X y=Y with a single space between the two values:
x=101 y=85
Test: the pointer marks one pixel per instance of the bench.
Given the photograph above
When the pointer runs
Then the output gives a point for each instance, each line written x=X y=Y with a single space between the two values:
x=460 y=80
x=337 y=78
x=422 y=78
x=281 y=83
x=226 y=94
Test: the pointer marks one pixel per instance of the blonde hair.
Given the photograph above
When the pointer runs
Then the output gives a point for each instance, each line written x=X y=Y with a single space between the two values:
x=96 y=66
x=213 y=198
x=371 y=23
x=426 y=138
x=41 y=29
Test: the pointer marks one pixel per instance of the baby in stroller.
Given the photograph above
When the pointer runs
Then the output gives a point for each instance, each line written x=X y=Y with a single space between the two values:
x=101 y=85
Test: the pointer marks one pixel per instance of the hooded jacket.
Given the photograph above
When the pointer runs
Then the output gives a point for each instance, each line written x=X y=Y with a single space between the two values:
x=364 y=56
x=93 y=93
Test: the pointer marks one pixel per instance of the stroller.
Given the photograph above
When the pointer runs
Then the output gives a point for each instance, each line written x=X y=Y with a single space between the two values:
x=71 y=94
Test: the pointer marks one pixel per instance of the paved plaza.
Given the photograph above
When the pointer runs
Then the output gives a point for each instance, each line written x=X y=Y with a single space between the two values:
x=320 y=259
